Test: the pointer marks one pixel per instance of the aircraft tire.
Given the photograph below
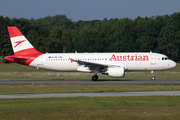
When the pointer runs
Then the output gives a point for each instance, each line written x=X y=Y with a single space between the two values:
x=94 y=78
x=153 y=78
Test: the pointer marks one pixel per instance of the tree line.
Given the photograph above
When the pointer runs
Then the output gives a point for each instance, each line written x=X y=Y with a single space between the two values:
x=53 y=33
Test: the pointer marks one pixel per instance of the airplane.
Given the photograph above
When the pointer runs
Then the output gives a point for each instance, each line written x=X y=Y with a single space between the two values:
x=112 y=64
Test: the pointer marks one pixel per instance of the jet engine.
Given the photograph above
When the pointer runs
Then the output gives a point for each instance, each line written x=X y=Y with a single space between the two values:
x=115 y=72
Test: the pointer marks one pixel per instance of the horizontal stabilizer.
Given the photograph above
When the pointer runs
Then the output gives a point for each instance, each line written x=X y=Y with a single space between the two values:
x=17 y=58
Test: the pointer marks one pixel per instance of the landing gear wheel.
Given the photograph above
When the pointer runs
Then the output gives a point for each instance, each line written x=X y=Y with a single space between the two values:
x=152 y=74
x=153 y=78
x=95 y=78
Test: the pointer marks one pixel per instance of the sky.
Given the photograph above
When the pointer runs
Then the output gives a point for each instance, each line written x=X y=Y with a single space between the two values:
x=87 y=9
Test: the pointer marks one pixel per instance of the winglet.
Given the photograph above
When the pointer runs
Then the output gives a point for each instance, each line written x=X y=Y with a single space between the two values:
x=72 y=60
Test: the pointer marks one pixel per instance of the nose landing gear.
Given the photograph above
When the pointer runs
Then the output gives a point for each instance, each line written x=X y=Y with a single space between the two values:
x=152 y=75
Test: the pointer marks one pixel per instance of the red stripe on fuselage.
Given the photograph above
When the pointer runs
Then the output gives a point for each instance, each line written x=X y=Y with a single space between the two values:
x=30 y=54
x=29 y=58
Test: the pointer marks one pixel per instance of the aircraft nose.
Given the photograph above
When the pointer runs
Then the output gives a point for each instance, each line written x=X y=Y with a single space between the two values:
x=173 y=64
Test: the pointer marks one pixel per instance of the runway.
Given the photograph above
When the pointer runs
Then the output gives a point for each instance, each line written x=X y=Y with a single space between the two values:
x=90 y=82
x=102 y=94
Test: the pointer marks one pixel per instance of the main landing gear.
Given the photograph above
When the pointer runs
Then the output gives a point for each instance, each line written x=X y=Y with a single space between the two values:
x=152 y=74
x=95 y=77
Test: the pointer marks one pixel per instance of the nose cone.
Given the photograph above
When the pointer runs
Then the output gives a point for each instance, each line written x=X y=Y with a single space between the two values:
x=173 y=64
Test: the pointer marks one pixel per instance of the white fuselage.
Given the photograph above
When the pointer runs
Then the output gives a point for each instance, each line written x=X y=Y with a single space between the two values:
x=130 y=61
x=112 y=64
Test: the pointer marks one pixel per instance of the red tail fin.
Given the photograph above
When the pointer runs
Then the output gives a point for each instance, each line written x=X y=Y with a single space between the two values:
x=20 y=45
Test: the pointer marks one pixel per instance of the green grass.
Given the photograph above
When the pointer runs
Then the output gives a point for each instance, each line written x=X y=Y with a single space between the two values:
x=90 y=108
x=27 y=89
x=86 y=108
x=16 y=71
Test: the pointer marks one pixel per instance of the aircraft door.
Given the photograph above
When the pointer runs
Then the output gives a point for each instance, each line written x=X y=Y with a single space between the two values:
x=153 y=59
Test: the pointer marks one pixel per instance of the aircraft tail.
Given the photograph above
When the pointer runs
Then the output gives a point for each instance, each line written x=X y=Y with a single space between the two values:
x=20 y=45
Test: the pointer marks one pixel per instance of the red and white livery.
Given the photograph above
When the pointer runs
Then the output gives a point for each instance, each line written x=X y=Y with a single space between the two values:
x=112 y=64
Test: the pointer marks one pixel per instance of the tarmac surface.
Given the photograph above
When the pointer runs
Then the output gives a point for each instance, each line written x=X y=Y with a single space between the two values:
x=90 y=82
x=102 y=94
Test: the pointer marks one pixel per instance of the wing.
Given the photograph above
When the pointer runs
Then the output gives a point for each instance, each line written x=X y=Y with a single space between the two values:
x=91 y=65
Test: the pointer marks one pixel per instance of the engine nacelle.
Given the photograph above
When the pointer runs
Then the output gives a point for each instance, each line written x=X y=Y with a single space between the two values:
x=116 y=72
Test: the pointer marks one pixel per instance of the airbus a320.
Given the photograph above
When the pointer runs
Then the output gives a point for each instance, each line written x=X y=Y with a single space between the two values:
x=112 y=64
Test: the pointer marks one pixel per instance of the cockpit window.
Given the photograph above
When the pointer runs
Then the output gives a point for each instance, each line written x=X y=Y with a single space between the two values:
x=165 y=58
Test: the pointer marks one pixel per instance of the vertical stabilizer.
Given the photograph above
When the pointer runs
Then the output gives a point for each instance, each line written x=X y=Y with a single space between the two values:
x=20 y=45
